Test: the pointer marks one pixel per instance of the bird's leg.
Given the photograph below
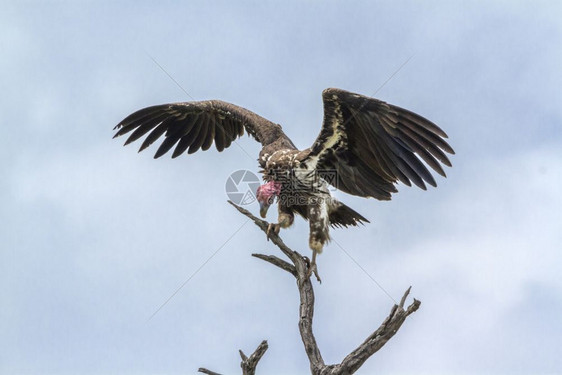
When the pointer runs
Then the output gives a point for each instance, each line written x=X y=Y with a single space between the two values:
x=286 y=219
x=316 y=246
x=312 y=268
x=319 y=232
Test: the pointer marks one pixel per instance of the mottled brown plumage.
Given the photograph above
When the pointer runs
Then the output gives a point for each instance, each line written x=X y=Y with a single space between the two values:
x=364 y=148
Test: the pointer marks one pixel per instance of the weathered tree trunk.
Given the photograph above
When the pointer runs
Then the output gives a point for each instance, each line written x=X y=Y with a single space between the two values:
x=299 y=268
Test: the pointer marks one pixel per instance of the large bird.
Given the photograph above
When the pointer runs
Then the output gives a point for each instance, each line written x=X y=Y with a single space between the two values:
x=364 y=148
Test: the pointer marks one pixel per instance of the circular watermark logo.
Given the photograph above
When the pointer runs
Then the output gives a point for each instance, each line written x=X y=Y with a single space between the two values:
x=241 y=187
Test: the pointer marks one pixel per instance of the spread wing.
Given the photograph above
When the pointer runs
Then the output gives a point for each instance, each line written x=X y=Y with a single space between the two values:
x=190 y=126
x=371 y=145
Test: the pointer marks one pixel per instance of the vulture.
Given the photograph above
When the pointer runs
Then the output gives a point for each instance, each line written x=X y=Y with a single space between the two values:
x=365 y=147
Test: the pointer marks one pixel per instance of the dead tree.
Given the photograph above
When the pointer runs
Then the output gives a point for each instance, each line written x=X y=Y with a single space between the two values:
x=299 y=268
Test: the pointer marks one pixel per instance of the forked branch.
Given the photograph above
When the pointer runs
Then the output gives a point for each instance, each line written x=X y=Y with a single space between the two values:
x=299 y=269
x=248 y=364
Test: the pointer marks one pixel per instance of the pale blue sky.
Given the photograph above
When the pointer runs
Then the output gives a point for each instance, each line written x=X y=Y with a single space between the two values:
x=95 y=237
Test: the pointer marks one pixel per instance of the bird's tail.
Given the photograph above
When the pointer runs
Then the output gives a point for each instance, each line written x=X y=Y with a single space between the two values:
x=343 y=216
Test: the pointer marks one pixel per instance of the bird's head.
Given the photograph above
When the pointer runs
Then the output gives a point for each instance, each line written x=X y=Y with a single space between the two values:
x=266 y=194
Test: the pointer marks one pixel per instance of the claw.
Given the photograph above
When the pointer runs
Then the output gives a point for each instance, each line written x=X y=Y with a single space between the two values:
x=312 y=268
x=273 y=228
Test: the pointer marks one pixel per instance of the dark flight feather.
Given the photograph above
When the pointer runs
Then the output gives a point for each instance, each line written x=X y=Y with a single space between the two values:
x=390 y=142
x=371 y=145
x=201 y=124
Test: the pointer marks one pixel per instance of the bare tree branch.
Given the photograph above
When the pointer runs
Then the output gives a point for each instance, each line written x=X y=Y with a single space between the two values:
x=306 y=293
x=377 y=339
x=249 y=364
x=263 y=225
x=208 y=372
x=278 y=262
x=300 y=270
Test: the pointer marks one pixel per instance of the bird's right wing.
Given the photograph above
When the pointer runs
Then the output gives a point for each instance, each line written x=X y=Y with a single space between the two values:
x=190 y=126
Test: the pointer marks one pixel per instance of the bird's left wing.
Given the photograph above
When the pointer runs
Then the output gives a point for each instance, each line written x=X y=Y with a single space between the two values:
x=371 y=145
x=190 y=126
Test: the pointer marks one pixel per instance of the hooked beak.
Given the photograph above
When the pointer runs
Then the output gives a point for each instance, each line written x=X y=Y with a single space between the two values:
x=264 y=206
